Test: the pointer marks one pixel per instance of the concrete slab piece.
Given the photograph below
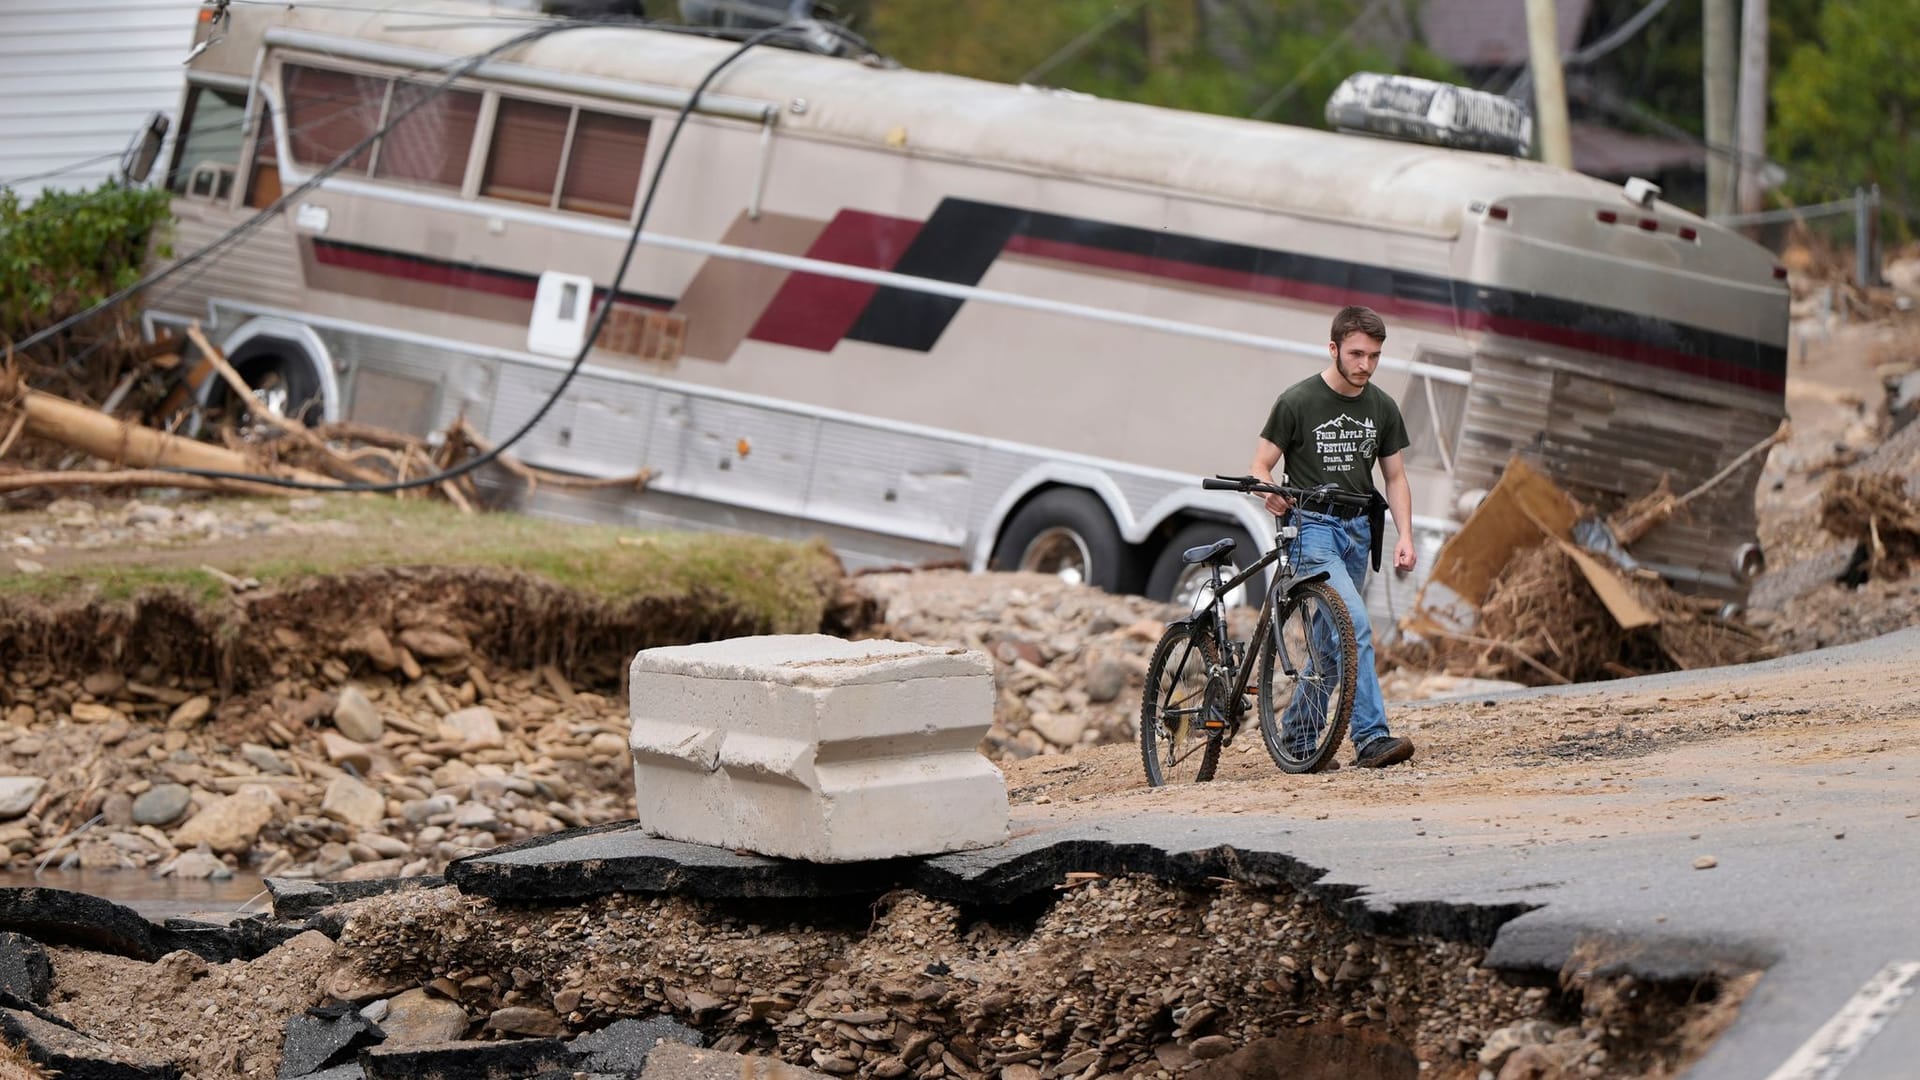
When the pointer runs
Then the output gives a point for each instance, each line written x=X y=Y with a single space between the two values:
x=810 y=747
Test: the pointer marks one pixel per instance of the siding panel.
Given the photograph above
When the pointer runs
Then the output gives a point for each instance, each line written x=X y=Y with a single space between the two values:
x=77 y=81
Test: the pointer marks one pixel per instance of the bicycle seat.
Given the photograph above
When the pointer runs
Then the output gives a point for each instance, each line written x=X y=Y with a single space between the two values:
x=1214 y=552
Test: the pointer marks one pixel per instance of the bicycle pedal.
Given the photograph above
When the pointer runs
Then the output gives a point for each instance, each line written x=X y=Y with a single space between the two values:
x=1214 y=725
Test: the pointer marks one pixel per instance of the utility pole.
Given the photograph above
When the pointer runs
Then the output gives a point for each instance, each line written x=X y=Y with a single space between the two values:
x=1753 y=105
x=1720 y=46
x=1549 y=85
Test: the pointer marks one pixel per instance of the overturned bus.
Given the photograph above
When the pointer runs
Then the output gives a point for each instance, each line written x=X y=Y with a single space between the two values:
x=932 y=318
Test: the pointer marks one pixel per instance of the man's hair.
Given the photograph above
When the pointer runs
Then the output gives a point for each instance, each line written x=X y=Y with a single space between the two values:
x=1358 y=318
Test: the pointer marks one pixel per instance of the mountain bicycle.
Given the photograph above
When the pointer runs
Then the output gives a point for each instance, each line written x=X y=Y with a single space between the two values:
x=1196 y=694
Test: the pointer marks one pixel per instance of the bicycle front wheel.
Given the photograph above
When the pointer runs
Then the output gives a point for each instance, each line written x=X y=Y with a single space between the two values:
x=1175 y=744
x=1306 y=679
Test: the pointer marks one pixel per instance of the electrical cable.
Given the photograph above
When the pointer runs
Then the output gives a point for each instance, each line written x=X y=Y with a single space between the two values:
x=281 y=203
x=593 y=328
x=1615 y=38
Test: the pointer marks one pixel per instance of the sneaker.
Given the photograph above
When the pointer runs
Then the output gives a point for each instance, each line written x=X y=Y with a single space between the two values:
x=1383 y=752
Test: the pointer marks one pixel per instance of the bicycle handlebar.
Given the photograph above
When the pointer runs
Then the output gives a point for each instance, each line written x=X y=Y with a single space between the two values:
x=1324 y=494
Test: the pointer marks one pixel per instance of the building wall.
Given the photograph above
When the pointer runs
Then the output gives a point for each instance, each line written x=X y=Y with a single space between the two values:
x=78 y=78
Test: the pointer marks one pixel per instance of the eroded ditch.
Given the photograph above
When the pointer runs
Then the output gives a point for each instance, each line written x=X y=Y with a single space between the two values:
x=1106 y=961
x=1092 y=976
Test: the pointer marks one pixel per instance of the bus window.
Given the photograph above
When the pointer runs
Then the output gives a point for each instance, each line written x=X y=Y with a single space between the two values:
x=208 y=148
x=603 y=167
x=524 y=160
x=263 y=180
x=328 y=112
x=430 y=145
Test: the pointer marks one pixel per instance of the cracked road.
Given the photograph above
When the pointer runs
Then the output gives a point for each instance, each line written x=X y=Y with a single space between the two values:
x=1761 y=816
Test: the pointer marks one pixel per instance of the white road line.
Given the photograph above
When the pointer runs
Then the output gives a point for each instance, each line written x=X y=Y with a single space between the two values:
x=1842 y=1038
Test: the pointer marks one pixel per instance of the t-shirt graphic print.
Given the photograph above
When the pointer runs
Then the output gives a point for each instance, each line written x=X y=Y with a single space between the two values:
x=1328 y=438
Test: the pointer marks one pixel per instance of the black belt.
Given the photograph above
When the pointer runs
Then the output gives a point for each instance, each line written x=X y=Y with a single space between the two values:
x=1339 y=510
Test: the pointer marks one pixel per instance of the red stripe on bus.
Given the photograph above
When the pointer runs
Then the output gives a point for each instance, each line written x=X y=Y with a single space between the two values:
x=1621 y=349
x=1463 y=318
x=437 y=273
x=814 y=312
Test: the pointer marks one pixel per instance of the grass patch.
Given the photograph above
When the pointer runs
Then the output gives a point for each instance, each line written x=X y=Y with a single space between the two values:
x=781 y=579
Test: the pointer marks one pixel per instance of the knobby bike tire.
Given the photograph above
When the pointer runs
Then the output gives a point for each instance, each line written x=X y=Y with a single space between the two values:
x=1157 y=740
x=1320 y=593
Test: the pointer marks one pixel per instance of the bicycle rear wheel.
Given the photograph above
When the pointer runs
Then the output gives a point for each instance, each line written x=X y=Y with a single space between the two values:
x=1306 y=679
x=1175 y=744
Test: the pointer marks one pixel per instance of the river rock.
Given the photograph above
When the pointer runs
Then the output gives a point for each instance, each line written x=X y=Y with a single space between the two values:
x=196 y=865
x=264 y=759
x=476 y=728
x=117 y=809
x=1501 y=1043
x=1106 y=679
x=230 y=825
x=103 y=684
x=433 y=644
x=189 y=712
x=372 y=871
x=18 y=794
x=1060 y=729
x=355 y=716
x=161 y=804
x=346 y=753
x=374 y=644
x=524 y=1020
x=353 y=803
x=416 y=1018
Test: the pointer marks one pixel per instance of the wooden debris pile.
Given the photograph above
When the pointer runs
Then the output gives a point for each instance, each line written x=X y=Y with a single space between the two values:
x=135 y=440
x=1515 y=596
x=1876 y=511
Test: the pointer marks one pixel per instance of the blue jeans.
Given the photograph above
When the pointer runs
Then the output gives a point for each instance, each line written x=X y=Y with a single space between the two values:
x=1343 y=548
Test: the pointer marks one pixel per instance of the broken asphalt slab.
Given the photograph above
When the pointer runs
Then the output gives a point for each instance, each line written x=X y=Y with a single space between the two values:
x=60 y=917
x=624 y=1045
x=25 y=970
x=300 y=898
x=624 y=858
x=56 y=1046
x=468 y=1060
x=323 y=1038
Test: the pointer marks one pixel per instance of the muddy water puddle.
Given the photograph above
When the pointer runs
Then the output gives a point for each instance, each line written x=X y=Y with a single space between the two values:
x=155 y=898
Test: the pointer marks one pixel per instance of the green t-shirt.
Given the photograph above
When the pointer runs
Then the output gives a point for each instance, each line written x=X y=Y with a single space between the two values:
x=1325 y=437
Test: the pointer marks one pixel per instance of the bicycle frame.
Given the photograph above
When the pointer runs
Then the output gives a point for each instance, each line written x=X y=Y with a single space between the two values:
x=1285 y=581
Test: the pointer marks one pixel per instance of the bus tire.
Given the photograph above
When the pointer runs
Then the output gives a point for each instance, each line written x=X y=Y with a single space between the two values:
x=287 y=385
x=1067 y=532
x=1174 y=581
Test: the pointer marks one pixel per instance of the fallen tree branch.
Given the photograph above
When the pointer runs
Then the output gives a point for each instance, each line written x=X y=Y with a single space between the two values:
x=1432 y=627
x=336 y=464
x=20 y=481
x=121 y=443
x=1639 y=525
x=535 y=476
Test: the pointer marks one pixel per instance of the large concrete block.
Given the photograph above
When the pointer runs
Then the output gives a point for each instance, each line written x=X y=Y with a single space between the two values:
x=810 y=747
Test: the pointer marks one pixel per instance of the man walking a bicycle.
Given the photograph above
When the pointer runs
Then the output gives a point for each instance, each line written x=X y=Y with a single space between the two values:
x=1330 y=429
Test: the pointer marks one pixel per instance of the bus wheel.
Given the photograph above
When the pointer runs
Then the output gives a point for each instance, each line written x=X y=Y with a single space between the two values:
x=1179 y=583
x=1065 y=532
x=286 y=387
